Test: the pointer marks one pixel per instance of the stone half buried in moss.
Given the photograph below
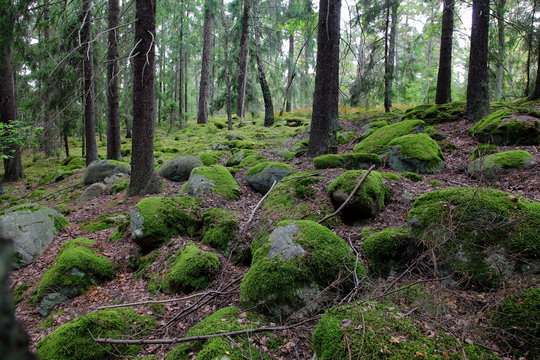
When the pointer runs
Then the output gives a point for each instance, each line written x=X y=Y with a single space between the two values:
x=436 y=113
x=368 y=201
x=238 y=155
x=220 y=227
x=377 y=142
x=262 y=176
x=223 y=320
x=180 y=168
x=99 y=170
x=497 y=165
x=416 y=153
x=476 y=233
x=504 y=127
x=213 y=179
x=355 y=161
x=157 y=219
x=74 y=340
x=293 y=265
x=377 y=330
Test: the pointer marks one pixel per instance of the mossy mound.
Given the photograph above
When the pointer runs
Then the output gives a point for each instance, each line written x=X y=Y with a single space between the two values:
x=497 y=165
x=103 y=222
x=505 y=127
x=293 y=265
x=224 y=320
x=416 y=153
x=300 y=148
x=295 y=121
x=414 y=177
x=368 y=201
x=238 y=155
x=377 y=330
x=213 y=179
x=475 y=232
x=157 y=219
x=377 y=142
x=100 y=170
x=262 y=176
x=355 y=161
x=389 y=250
x=436 y=114
x=220 y=227
x=518 y=318
x=211 y=157
x=483 y=150
x=192 y=270
x=59 y=174
x=74 y=340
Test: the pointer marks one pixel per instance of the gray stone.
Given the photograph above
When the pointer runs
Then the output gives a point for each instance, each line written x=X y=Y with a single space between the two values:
x=281 y=241
x=93 y=191
x=116 y=178
x=495 y=166
x=102 y=169
x=32 y=228
x=399 y=163
x=49 y=302
x=180 y=168
x=136 y=222
x=198 y=185
x=263 y=180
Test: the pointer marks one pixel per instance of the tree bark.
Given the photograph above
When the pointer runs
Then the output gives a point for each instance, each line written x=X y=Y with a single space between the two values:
x=243 y=62
x=326 y=95
x=49 y=131
x=535 y=94
x=444 y=76
x=390 y=47
x=477 y=83
x=228 y=71
x=290 y=73
x=113 y=100
x=499 y=72
x=206 y=63
x=265 y=89
x=143 y=177
x=89 y=89
x=181 y=72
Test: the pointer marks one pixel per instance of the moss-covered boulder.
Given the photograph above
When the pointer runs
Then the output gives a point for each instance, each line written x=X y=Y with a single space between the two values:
x=368 y=201
x=74 y=340
x=378 y=330
x=483 y=150
x=436 y=113
x=293 y=265
x=476 y=232
x=506 y=127
x=103 y=222
x=192 y=270
x=213 y=179
x=180 y=168
x=93 y=191
x=157 y=219
x=223 y=320
x=32 y=227
x=389 y=251
x=377 y=142
x=240 y=154
x=497 y=165
x=416 y=153
x=99 y=170
x=76 y=268
x=262 y=176
x=220 y=227
x=355 y=161
x=518 y=319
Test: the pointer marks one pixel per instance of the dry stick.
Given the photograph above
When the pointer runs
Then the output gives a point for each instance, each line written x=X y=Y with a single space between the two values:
x=350 y=196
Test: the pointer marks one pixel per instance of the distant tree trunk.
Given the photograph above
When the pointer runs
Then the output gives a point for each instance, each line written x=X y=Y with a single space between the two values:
x=204 y=88
x=529 y=50
x=143 y=177
x=186 y=78
x=290 y=73
x=243 y=63
x=49 y=133
x=390 y=50
x=499 y=72
x=113 y=100
x=355 y=88
x=181 y=72
x=326 y=95
x=477 y=83
x=89 y=89
x=66 y=143
x=535 y=94
x=444 y=77
x=265 y=89
x=228 y=75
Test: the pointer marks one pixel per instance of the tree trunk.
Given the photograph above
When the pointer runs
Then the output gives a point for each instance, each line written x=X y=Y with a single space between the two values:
x=535 y=94
x=186 y=84
x=89 y=89
x=267 y=95
x=356 y=86
x=326 y=95
x=529 y=50
x=444 y=77
x=499 y=72
x=204 y=88
x=228 y=75
x=49 y=132
x=143 y=177
x=290 y=73
x=243 y=63
x=390 y=50
x=113 y=100
x=477 y=83
x=66 y=143
x=181 y=72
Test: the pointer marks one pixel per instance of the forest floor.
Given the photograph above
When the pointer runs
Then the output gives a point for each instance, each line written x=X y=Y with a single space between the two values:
x=462 y=313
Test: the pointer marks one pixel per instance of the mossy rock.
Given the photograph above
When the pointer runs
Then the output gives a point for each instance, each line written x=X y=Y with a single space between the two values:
x=293 y=265
x=497 y=165
x=483 y=150
x=506 y=127
x=251 y=160
x=377 y=142
x=416 y=153
x=74 y=340
x=238 y=155
x=220 y=227
x=192 y=270
x=262 y=176
x=223 y=320
x=300 y=148
x=436 y=114
x=368 y=201
x=180 y=168
x=59 y=174
x=378 y=330
x=355 y=161
x=414 y=177
x=476 y=232
x=374 y=125
x=518 y=318
x=213 y=179
x=157 y=219
x=295 y=121
x=103 y=222
x=389 y=251
x=102 y=169
x=241 y=144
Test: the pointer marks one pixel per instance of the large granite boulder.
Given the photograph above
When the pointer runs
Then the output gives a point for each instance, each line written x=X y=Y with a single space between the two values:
x=497 y=165
x=180 y=168
x=262 y=176
x=93 y=191
x=508 y=127
x=416 y=153
x=377 y=141
x=215 y=179
x=102 y=169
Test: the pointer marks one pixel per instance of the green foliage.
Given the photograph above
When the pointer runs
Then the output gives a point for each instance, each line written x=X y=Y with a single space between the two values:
x=103 y=221
x=435 y=183
x=261 y=166
x=16 y=134
x=436 y=114
x=219 y=228
x=225 y=184
x=377 y=142
x=384 y=247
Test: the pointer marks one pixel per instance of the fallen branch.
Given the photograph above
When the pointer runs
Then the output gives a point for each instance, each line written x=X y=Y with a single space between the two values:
x=355 y=190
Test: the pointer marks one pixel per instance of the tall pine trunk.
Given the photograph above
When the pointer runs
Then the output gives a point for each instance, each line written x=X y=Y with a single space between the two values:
x=49 y=131
x=444 y=76
x=535 y=94
x=143 y=177
x=501 y=54
x=290 y=73
x=113 y=99
x=206 y=63
x=326 y=95
x=265 y=89
x=181 y=71
x=89 y=89
x=390 y=50
x=243 y=63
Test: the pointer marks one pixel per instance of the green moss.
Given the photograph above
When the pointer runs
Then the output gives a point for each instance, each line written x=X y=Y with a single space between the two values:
x=117 y=188
x=138 y=264
x=490 y=122
x=78 y=242
x=225 y=184
x=412 y=176
x=193 y=270
x=18 y=294
x=261 y=166
x=437 y=114
x=419 y=147
x=391 y=176
x=518 y=317
x=435 y=183
x=386 y=247
x=73 y=340
x=509 y=159
x=239 y=155
x=447 y=147
x=219 y=228
x=347 y=161
x=378 y=140
x=120 y=231
x=211 y=158
x=376 y=330
x=500 y=128
x=103 y=221
x=241 y=144
x=483 y=150
x=251 y=159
